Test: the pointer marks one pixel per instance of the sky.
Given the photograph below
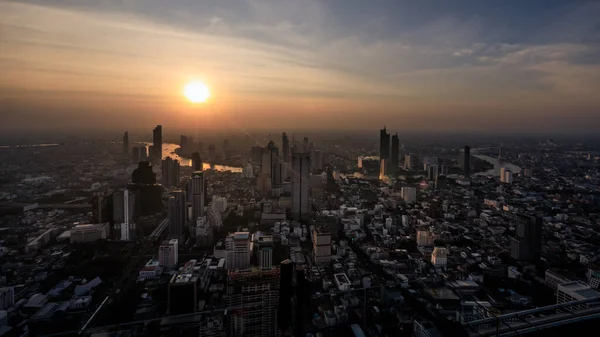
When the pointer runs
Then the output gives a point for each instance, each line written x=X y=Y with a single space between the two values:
x=433 y=65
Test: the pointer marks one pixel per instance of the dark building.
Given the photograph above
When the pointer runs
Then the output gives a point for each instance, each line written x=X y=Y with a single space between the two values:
x=170 y=172
x=286 y=147
x=182 y=293
x=143 y=174
x=305 y=144
x=212 y=153
x=500 y=152
x=527 y=245
x=256 y=154
x=143 y=153
x=302 y=301
x=198 y=197
x=177 y=215
x=384 y=144
x=467 y=161
x=395 y=155
x=148 y=195
x=196 y=161
x=135 y=155
x=126 y=143
x=286 y=291
x=157 y=143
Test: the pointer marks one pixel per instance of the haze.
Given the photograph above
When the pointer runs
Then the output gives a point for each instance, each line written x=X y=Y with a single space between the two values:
x=491 y=66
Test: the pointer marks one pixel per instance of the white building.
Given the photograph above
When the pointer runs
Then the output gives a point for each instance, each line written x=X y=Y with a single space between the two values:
x=553 y=279
x=439 y=257
x=152 y=270
x=248 y=171
x=168 y=254
x=300 y=185
x=220 y=203
x=409 y=194
x=321 y=239
x=88 y=233
x=123 y=206
x=238 y=250
x=575 y=291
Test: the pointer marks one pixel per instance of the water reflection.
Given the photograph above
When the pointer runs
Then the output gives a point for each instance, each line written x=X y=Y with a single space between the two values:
x=169 y=151
x=498 y=164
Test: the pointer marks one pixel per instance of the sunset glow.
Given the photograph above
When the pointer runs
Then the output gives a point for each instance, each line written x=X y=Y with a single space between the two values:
x=196 y=92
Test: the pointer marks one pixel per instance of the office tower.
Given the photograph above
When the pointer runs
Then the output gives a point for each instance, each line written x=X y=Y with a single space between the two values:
x=196 y=162
x=383 y=169
x=286 y=291
x=252 y=299
x=183 y=290
x=263 y=185
x=410 y=161
x=212 y=153
x=506 y=175
x=237 y=246
x=321 y=240
x=467 y=161
x=384 y=144
x=225 y=149
x=265 y=252
x=168 y=254
x=395 y=155
x=317 y=160
x=177 y=215
x=432 y=172
x=248 y=171
x=198 y=189
x=135 y=155
x=126 y=143
x=500 y=152
x=300 y=184
x=143 y=153
x=123 y=207
x=266 y=163
x=286 y=147
x=277 y=171
x=157 y=143
x=409 y=194
x=305 y=145
x=439 y=257
x=170 y=172
x=527 y=245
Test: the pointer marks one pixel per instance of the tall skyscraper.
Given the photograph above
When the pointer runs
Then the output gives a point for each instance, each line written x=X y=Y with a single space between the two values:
x=212 y=153
x=184 y=144
x=196 y=161
x=224 y=155
x=143 y=153
x=467 y=161
x=123 y=208
x=286 y=291
x=238 y=252
x=198 y=195
x=157 y=143
x=305 y=144
x=135 y=155
x=170 y=172
x=300 y=184
x=126 y=143
x=527 y=245
x=395 y=155
x=286 y=147
x=384 y=144
x=500 y=151
x=317 y=161
x=177 y=215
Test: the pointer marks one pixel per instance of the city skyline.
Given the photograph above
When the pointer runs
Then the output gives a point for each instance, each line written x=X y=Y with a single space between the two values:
x=465 y=66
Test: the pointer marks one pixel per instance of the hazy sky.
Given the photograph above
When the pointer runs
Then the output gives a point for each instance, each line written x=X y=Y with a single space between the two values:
x=476 y=65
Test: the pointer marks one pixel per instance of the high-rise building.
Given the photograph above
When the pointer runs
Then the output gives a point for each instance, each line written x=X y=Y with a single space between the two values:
x=198 y=194
x=317 y=160
x=384 y=168
x=286 y=291
x=265 y=252
x=170 y=172
x=384 y=144
x=183 y=290
x=506 y=175
x=395 y=155
x=277 y=171
x=432 y=172
x=467 y=161
x=266 y=163
x=410 y=161
x=212 y=153
x=168 y=254
x=143 y=153
x=237 y=246
x=439 y=257
x=135 y=155
x=123 y=207
x=263 y=184
x=409 y=194
x=527 y=245
x=196 y=161
x=321 y=240
x=286 y=147
x=157 y=144
x=177 y=215
x=126 y=143
x=252 y=300
x=248 y=171
x=305 y=145
x=300 y=185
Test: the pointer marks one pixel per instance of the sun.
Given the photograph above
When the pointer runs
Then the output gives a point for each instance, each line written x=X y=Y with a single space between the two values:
x=196 y=92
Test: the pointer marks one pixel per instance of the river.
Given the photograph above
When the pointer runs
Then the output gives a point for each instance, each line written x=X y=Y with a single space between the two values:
x=497 y=165
x=168 y=150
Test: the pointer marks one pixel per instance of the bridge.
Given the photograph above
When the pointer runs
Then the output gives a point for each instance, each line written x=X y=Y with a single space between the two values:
x=534 y=320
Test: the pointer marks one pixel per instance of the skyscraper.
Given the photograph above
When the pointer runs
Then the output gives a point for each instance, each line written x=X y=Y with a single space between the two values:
x=317 y=161
x=394 y=156
x=212 y=153
x=286 y=291
x=238 y=250
x=198 y=195
x=177 y=215
x=286 y=147
x=157 y=143
x=300 y=184
x=143 y=153
x=126 y=143
x=135 y=155
x=500 y=152
x=170 y=172
x=467 y=161
x=305 y=144
x=196 y=161
x=123 y=208
x=527 y=245
x=384 y=144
